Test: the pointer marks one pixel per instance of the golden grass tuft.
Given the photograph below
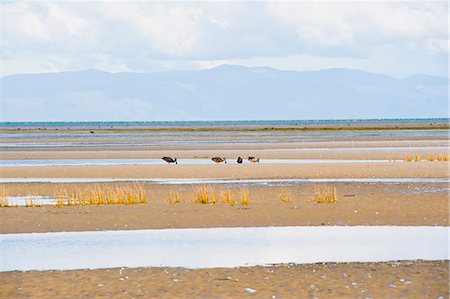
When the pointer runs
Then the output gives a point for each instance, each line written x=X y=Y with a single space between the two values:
x=412 y=158
x=4 y=203
x=227 y=196
x=101 y=195
x=174 y=197
x=286 y=196
x=209 y=195
x=443 y=158
x=29 y=202
x=325 y=194
x=231 y=201
x=4 y=197
x=201 y=194
x=3 y=192
x=98 y=195
x=244 y=193
x=431 y=158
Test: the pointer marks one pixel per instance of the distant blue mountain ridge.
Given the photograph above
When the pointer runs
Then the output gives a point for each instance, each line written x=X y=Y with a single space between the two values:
x=226 y=92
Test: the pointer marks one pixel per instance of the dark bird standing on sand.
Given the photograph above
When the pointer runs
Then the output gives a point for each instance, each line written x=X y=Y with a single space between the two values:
x=239 y=160
x=253 y=159
x=219 y=160
x=170 y=160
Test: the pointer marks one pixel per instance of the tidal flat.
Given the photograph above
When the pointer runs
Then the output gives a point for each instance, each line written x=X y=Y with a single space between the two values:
x=388 y=192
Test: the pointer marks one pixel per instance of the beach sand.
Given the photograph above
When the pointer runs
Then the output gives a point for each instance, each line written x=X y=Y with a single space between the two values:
x=405 y=279
x=319 y=170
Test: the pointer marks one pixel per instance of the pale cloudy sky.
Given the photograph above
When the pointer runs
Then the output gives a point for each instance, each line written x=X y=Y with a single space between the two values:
x=397 y=38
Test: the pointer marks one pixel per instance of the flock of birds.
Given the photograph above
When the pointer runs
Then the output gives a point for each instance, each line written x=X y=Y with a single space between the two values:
x=215 y=159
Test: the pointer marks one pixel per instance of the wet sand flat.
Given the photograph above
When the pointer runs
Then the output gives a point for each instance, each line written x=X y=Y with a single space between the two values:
x=320 y=170
x=404 y=279
x=231 y=153
x=23 y=148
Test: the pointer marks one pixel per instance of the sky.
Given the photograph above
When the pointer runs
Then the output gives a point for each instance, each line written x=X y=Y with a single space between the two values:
x=397 y=38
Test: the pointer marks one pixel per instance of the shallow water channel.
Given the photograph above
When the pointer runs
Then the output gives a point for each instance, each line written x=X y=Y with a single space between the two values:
x=220 y=247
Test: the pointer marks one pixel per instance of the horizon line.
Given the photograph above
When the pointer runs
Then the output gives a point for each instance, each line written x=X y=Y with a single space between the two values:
x=223 y=65
x=261 y=120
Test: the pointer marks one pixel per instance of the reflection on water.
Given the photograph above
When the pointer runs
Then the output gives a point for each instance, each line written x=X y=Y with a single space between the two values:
x=35 y=200
x=220 y=247
x=66 y=162
x=184 y=181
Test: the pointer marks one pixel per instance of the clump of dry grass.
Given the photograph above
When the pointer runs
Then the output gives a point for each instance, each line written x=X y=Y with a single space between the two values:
x=202 y=194
x=443 y=158
x=286 y=196
x=244 y=193
x=228 y=197
x=4 y=202
x=325 y=194
x=412 y=158
x=29 y=202
x=231 y=200
x=174 y=197
x=3 y=192
x=98 y=195
x=431 y=158
x=210 y=195
x=101 y=195
x=4 y=197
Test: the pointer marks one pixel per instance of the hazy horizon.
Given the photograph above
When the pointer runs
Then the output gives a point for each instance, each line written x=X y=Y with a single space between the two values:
x=373 y=120
x=226 y=64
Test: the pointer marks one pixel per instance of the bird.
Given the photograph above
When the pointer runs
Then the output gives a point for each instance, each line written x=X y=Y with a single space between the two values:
x=239 y=160
x=219 y=160
x=170 y=160
x=253 y=159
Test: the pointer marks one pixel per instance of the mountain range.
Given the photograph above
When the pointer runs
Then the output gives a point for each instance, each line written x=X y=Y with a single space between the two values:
x=226 y=92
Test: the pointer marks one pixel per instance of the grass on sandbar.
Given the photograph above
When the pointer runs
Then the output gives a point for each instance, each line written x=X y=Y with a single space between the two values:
x=210 y=195
x=101 y=195
x=429 y=158
x=4 y=202
x=227 y=196
x=325 y=194
x=286 y=196
x=244 y=196
x=174 y=197
x=412 y=158
x=443 y=158
x=3 y=197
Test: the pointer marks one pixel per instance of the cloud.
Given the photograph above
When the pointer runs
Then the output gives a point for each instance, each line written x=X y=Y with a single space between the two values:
x=149 y=36
x=355 y=26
